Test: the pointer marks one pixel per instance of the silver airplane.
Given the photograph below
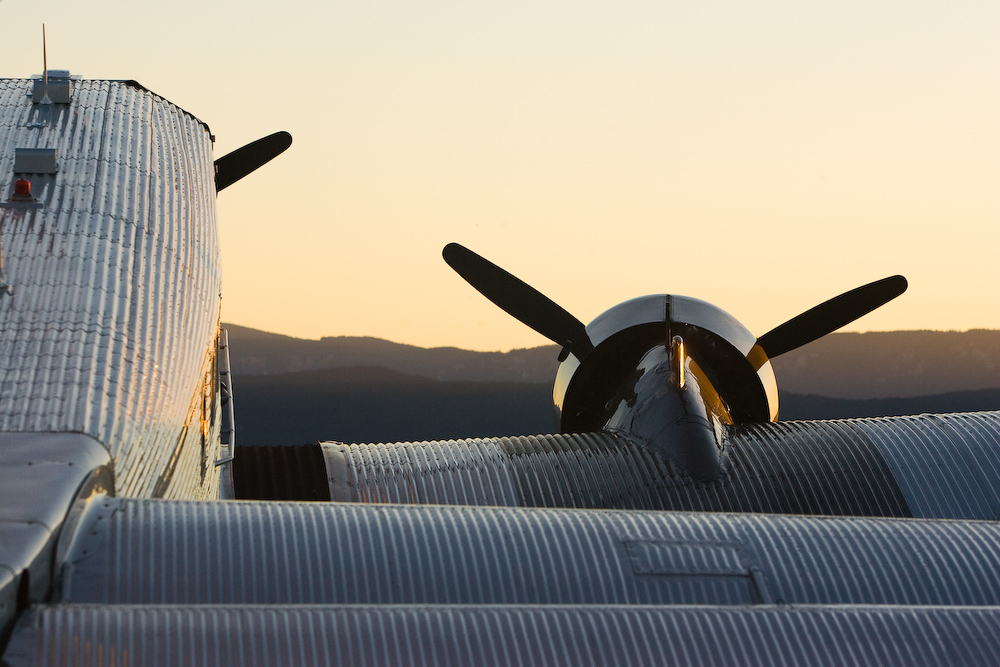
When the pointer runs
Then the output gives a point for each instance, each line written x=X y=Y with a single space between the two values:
x=672 y=520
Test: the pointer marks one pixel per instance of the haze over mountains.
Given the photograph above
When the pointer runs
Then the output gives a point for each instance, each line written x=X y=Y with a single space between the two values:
x=260 y=353
x=892 y=364
x=356 y=389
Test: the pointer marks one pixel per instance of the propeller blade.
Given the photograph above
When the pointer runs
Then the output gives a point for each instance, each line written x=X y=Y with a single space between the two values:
x=830 y=315
x=231 y=167
x=521 y=300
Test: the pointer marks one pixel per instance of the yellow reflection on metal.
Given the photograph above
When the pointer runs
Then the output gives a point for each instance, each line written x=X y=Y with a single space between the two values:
x=677 y=362
x=716 y=408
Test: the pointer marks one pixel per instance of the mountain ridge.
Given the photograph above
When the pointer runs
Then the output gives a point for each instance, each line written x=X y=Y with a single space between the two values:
x=871 y=365
x=376 y=404
x=254 y=352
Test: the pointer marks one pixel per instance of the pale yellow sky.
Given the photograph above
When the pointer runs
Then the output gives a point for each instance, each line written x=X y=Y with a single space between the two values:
x=762 y=156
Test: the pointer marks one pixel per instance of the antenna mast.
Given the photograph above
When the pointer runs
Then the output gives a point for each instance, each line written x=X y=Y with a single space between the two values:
x=45 y=69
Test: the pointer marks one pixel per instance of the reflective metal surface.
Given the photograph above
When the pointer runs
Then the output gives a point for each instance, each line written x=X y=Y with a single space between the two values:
x=733 y=367
x=133 y=551
x=945 y=466
x=40 y=475
x=111 y=330
x=107 y=330
x=426 y=636
x=683 y=425
x=170 y=582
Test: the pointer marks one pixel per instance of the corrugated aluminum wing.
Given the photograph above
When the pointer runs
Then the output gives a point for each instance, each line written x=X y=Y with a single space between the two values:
x=40 y=476
x=422 y=636
x=132 y=551
x=936 y=466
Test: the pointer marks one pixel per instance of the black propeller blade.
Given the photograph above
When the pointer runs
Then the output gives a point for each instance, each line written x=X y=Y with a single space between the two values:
x=521 y=300
x=231 y=167
x=830 y=315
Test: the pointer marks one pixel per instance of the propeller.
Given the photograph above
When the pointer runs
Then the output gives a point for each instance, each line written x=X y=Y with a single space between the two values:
x=521 y=300
x=830 y=315
x=231 y=167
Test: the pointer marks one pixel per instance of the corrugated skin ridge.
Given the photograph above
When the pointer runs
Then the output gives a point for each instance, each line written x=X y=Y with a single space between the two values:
x=586 y=470
x=945 y=464
x=934 y=466
x=517 y=636
x=131 y=551
x=465 y=472
x=84 y=346
x=807 y=468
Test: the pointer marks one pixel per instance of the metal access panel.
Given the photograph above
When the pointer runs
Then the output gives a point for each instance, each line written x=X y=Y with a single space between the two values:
x=59 y=90
x=35 y=161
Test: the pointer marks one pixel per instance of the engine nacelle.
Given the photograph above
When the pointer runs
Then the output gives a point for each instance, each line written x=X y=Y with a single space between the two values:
x=720 y=351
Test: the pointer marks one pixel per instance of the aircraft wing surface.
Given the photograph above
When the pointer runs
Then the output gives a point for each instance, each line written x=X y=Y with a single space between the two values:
x=176 y=582
x=441 y=635
x=943 y=466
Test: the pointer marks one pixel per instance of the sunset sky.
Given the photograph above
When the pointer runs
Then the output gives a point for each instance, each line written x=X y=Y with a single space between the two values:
x=762 y=156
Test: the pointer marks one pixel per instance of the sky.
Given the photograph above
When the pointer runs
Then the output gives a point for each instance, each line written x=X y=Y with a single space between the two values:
x=761 y=156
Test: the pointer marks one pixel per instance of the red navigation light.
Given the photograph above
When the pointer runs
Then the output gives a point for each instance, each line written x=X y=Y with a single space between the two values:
x=20 y=199
x=22 y=191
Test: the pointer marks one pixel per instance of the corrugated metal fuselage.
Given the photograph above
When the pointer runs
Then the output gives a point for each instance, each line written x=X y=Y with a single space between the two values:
x=111 y=328
x=109 y=312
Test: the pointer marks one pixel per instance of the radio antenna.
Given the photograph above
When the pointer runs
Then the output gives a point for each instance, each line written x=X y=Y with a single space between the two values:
x=45 y=69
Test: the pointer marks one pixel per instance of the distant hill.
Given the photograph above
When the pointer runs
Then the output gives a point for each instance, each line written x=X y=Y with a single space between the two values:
x=254 y=352
x=369 y=404
x=892 y=364
x=841 y=365
x=292 y=391
x=799 y=406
